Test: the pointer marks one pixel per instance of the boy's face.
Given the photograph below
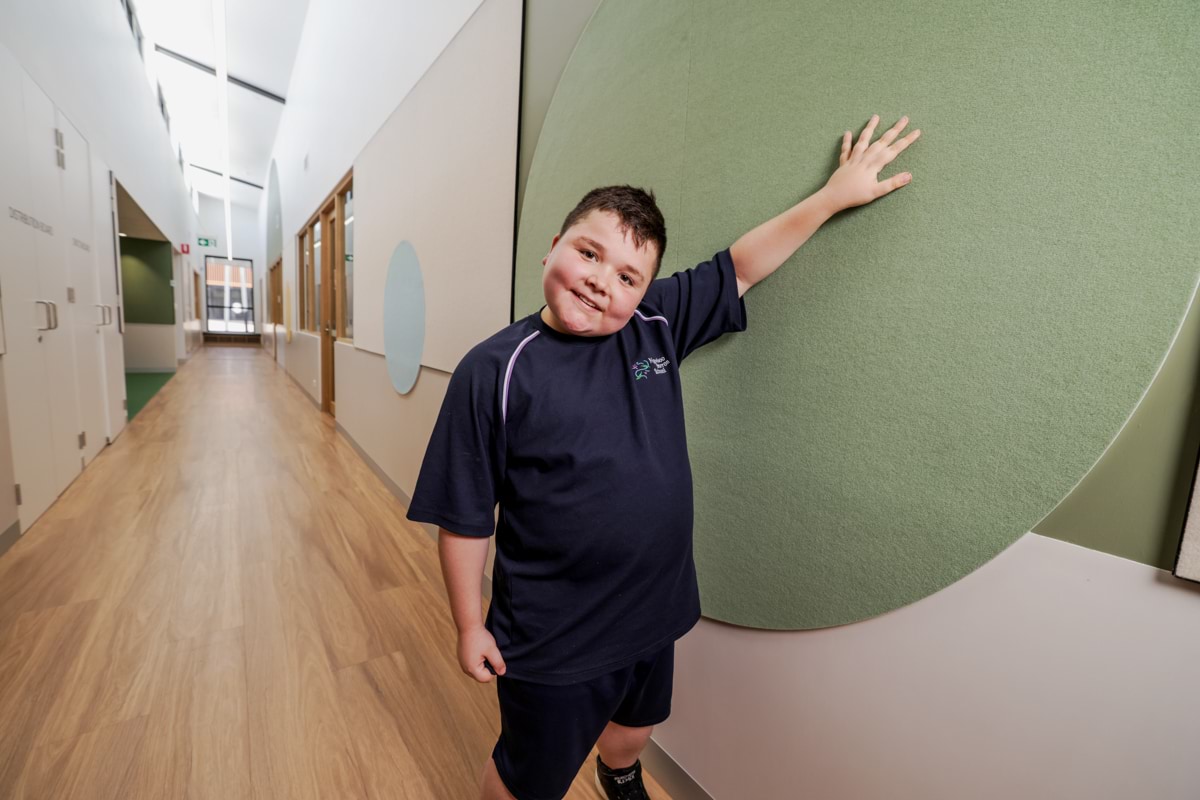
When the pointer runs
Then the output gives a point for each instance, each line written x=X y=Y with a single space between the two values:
x=595 y=276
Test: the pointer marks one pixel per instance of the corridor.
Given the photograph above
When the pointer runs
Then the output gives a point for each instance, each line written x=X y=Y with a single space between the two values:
x=229 y=603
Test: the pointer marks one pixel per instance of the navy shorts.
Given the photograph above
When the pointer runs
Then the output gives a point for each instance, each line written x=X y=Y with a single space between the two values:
x=546 y=732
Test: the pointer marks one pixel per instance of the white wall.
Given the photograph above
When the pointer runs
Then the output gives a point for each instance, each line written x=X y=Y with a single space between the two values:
x=248 y=242
x=304 y=362
x=151 y=348
x=84 y=57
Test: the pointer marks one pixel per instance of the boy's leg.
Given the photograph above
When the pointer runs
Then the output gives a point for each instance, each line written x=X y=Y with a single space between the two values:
x=493 y=788
x=620 y=746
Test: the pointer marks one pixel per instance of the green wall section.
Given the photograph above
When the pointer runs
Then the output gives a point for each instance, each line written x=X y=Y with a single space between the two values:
x=146 y=281
x=1132 y=503
x=140 y=387
x=931 y=373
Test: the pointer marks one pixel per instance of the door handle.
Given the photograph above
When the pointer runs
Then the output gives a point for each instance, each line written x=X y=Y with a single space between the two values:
x=108 y=315
x=54 y=307
x=103 y=314
x=46 y=303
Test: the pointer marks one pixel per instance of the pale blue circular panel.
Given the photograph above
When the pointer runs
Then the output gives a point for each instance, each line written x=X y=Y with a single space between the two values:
x=404 y=317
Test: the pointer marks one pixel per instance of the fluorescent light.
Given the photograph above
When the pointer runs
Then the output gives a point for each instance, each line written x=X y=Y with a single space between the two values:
x=350 y=220
x=122 y=234
x=223 y=113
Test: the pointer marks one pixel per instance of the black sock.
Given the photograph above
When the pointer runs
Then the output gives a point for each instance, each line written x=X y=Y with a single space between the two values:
x=623 y=771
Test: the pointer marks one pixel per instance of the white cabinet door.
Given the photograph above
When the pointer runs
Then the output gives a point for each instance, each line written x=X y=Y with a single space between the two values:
x=58 y=344
x=87 y=315
x=108 y=274
x=24 y=363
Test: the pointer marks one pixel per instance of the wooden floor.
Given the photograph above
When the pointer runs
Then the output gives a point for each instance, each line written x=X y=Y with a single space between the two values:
x=227 y=603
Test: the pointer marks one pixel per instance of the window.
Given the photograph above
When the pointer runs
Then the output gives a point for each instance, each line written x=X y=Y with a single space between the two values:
x=229 y=294
x=303 y=281
x=317 y=264
x=346 y=273
x=325 y=254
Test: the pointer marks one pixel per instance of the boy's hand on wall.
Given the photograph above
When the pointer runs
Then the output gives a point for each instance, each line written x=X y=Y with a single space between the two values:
x=474 y=646
x=856 y=181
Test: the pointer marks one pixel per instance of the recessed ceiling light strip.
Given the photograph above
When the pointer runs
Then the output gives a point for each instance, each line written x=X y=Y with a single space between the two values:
x=223 y=113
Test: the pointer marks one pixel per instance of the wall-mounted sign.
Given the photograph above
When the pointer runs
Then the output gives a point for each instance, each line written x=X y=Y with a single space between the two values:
x=37 y=224
x=206 y=242
x=185 y=248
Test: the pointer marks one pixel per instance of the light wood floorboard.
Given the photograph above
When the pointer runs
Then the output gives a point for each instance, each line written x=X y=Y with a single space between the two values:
x=228 y=603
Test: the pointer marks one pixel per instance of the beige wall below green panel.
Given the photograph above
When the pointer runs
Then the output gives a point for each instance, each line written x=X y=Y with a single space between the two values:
x=392 y=429
x=1132 y=502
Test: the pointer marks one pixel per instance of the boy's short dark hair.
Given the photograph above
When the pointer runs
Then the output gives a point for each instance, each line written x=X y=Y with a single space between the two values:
x=636 y=209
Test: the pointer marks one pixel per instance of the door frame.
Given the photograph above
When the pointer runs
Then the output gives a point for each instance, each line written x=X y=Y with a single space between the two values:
x=329 y=241
x=329 y=306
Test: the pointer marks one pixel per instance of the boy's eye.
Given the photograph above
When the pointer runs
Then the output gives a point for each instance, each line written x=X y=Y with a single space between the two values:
x=587 y=253
x=627 y=279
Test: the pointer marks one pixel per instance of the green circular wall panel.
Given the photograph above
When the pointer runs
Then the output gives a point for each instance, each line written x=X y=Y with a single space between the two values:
x=932 y=372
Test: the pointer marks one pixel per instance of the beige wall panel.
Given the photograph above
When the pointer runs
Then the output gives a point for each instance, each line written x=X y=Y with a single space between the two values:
x=440 y=173
x=1053 y=671
x=391 y=428
x=149 y=347
x=304 y=362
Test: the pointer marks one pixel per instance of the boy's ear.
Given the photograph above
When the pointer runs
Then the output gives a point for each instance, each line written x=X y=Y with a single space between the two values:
x=553 y=242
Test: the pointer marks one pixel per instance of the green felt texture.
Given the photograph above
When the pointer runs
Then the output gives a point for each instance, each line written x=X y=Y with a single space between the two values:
x=141 y=386
x=932 y=372
x=146 y=281
x=1132 y=503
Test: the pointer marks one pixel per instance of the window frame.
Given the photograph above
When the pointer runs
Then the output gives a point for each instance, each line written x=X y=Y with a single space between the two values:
x=311 y=316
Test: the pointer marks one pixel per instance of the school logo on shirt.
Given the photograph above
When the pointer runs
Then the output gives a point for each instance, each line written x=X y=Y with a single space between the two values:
x=641 y=369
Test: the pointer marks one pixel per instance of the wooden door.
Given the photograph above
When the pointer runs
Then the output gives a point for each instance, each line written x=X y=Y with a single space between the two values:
x=276 y=305
x=328 y=301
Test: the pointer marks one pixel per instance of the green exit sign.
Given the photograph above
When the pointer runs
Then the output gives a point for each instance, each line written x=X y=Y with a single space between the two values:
x=206 y=242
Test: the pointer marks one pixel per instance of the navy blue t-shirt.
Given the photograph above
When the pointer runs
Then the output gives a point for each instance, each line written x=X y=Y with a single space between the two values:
x=581 y=442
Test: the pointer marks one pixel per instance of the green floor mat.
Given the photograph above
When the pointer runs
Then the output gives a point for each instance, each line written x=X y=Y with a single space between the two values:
x=141 y=386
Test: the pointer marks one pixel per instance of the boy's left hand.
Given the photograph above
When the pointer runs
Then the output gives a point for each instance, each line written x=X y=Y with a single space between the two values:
x=855 y=182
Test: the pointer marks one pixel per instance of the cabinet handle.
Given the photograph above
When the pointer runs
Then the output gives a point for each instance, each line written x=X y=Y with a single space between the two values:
x=46 y=303
x=109 y=310
x=103 y=315
x=54 y=308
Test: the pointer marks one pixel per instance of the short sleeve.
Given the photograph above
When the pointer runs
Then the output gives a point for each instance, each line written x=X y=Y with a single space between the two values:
x=699 y=304
x=464 y=461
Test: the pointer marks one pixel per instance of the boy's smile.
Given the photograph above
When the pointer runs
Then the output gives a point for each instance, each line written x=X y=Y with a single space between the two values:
x=595 y=276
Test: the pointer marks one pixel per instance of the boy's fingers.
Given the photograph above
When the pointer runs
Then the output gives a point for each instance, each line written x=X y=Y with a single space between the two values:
x=891 y=133
x=899 y=146
x=891 y=184
x=865 y=139
x=845 y=148
x=496 y=661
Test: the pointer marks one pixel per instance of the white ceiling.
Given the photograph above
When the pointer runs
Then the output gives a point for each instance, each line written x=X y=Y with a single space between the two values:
x=262 y=37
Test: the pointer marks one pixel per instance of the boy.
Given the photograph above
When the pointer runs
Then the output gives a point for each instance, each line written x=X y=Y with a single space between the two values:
x=572 y=420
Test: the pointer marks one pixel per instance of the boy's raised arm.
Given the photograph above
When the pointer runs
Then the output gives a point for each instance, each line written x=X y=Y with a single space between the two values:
x=760 y=251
